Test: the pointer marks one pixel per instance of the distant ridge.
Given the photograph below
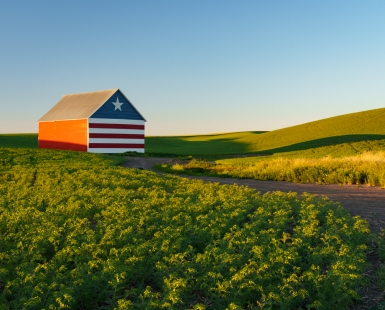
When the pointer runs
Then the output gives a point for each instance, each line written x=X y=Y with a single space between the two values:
x=353 y=127
x=342 y=132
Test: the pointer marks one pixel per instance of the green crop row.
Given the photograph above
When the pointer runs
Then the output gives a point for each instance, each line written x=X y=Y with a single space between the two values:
x=78 y=232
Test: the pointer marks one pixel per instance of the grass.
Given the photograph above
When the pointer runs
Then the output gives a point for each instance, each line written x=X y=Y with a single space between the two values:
x=366 y=168
x=361 y=131
x=337 y=150
x=173 y=146
x=228 y=143
x=349 y=128
x=27 y=140
x=85 y=220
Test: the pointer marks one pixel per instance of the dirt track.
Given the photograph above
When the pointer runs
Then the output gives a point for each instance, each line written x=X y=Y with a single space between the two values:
x=368 y=202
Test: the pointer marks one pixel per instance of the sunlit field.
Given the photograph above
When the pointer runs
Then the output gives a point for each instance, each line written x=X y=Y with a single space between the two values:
x=344 y=135
x=349 y=128
x=79 y=232
x=366 y=168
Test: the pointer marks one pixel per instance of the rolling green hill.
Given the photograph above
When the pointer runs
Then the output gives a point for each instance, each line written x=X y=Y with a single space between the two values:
x=344 y=134
x=227 y=143
x=28 y=140
x=348 y=128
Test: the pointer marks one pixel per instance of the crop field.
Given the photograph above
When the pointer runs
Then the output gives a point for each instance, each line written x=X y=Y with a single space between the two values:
x=360 y=162
x=227 y=143
x=349 y=128
x=18 y=140
x=347 y=149
x=79 y=232
x=365 y=168
x=342 y=135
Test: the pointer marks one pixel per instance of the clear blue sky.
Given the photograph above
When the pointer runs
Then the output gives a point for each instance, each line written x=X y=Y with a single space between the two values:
x=194 y=66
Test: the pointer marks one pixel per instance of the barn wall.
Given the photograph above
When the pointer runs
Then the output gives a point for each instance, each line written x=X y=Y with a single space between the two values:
x=115 y=135
x=64 y=135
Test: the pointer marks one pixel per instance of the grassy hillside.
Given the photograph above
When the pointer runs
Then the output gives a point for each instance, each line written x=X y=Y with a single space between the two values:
x=19 y=140
x=351 y=133
x=366 y=168
x=227 y=143
x=349 y=128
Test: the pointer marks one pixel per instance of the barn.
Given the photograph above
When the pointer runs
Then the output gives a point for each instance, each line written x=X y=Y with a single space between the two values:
x=99 y=122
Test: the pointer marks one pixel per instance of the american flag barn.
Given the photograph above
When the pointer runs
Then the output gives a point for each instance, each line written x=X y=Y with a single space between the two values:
x=99 y=122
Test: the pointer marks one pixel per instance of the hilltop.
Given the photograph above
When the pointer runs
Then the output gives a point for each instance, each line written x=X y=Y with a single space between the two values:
x=351 y=133
x=348 y=128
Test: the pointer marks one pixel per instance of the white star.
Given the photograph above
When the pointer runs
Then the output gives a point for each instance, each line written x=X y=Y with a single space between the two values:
x=117 y=104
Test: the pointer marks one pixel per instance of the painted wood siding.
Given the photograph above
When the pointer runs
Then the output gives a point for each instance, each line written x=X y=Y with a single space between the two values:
x=115 y=135
x=64 y=135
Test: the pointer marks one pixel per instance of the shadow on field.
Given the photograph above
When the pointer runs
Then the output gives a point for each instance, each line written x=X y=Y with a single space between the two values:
x=223 y=146
x=330 y=141
x=217 y=144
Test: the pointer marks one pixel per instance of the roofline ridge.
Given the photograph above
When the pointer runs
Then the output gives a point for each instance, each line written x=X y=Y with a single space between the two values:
x=131 y=104
x=88 y=92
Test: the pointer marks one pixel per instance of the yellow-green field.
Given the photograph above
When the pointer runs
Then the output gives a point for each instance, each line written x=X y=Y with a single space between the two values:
x=347 y=149
x=349 y=128
x=362 y=131
x=366 y=168
x=19 y=140
x=79 y=232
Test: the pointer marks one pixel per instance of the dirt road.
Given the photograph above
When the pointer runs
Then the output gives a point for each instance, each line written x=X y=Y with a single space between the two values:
x=368 y=202
x=144 y=162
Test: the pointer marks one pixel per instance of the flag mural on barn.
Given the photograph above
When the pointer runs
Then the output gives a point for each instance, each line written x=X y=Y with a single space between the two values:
x=99 y=122
x=116 y=125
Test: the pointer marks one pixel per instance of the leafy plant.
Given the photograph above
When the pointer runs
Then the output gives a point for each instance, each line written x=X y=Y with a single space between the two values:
x=76 y=231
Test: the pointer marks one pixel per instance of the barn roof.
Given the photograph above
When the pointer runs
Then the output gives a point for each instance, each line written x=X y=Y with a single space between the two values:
x=79 y=106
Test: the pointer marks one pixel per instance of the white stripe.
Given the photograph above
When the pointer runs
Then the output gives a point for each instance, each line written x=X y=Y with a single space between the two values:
x=113 y=140
x=115 y=121
x=101 y=150
x=88 y=135
x=115 y=130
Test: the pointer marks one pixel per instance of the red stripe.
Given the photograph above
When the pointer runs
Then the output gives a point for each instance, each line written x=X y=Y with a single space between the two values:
x=116 y=145
x=120 y=126
x=115 y=135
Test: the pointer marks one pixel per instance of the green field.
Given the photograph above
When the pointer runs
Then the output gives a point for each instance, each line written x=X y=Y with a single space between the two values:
x=349 y=128
x=344 y=135
x=18 y=140
x=79 y=232
x=226 y=143
x=347 y=149
x=344 y=158
x=367 y=168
